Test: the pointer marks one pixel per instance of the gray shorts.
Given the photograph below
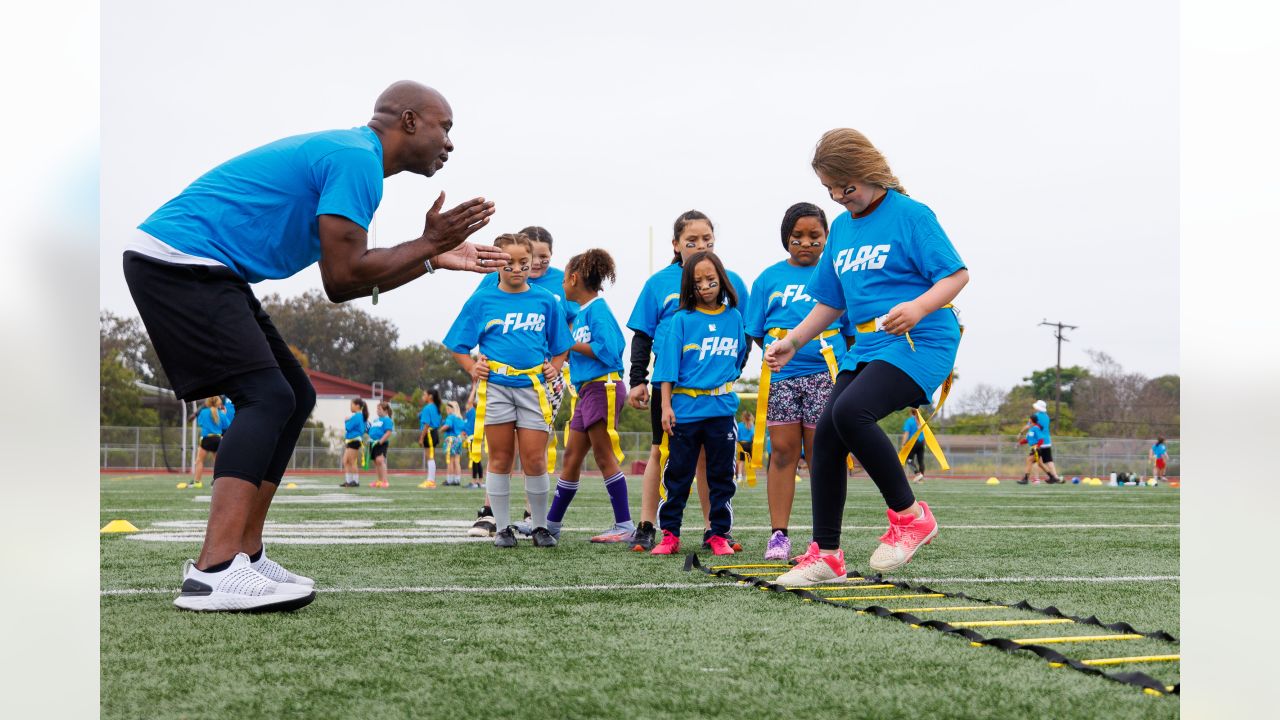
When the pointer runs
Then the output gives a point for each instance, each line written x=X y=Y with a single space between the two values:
x=519 y=405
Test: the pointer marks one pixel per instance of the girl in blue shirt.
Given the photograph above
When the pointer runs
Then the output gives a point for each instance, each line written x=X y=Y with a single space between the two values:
x=700 y=352
x=596 y=357
x=659 y=299
x=356 y=426
x=380 y=431
x=523 y=340
x=793 y=398
x=211 y=423
x=477 y=467
x=429 y=419
x=891 y=266
x=452 y=431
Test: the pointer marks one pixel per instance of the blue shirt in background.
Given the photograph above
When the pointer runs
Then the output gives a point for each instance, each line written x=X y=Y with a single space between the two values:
x=228 y=412
x=523 y=330
x=258 y=213
x=471 y=421
x=745 y=434
x=204 y=419
x=356 y=426
x=453 y=426
x=660 y=299
x=1035 y=436
x=1042 y=419
x=1159 y=450
x=700 y=350
x=381 y=426
x=779 y=300
x=910 y=426
x=596 y=326
x=428 y=416
x=875 y=262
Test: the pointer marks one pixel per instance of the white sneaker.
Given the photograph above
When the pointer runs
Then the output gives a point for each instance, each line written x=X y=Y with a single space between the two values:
x=239 y=588
x=814 y=568
x=276 y=572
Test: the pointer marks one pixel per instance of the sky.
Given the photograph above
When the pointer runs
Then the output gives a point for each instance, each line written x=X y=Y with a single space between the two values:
x=1043 y=135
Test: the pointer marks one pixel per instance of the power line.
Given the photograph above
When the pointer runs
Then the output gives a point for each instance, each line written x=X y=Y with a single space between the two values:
x=1057 y=370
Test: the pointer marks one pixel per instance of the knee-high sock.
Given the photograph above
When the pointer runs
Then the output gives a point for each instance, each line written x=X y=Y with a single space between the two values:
x=499 y=487
x=431 y=469
x=536 y=488
x=617 y=487
x=565 y=491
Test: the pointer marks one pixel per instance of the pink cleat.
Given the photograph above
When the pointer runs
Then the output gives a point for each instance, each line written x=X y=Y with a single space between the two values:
x=719 y=545
x=814 y=568
x=670 y=544
x=905 y=536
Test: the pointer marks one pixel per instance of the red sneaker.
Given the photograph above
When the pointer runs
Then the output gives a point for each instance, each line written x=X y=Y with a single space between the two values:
x=907 y=534
x=670 y=544
x=719 y=546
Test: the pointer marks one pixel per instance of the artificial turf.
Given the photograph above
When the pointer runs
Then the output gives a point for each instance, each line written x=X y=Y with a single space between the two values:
x=398 y=630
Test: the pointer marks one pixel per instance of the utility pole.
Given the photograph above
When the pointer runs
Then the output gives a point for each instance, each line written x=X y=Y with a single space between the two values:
x=1057 y=372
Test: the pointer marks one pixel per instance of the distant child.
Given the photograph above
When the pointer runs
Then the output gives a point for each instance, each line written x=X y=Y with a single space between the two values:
x=1159 y=457
x=700 y=352
x=211 y=424
x=915 y=458
x=746 y=435
x=1034 y=437
x=477 y=465
x=523 y=340
x=596 y=358
x=356 y=426
x=452 y=430
x=380 y=431
x=429 y=419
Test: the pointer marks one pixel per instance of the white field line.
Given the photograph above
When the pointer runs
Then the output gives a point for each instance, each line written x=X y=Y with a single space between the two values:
x=655 y=586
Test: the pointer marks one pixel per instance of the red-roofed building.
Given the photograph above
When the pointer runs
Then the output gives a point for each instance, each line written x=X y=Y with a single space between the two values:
x=334 y=395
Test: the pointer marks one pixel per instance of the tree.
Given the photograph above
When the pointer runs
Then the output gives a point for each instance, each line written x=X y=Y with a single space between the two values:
x=427 y=365
x=127 y=339
x=1106 y=402
x=983 y=399
x=120 y=399
x=339 y=339
x=1042 y=382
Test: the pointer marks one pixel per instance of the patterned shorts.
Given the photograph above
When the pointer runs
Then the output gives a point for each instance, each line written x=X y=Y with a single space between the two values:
x=798 y=399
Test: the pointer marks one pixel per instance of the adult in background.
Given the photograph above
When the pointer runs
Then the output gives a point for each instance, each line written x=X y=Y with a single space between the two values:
x=268 y=214
x=1043 y=453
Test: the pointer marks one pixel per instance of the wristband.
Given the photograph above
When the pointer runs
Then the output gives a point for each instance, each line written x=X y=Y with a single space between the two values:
x=427 y=264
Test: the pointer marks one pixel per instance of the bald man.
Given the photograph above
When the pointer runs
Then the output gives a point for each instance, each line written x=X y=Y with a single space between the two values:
x=268 y=214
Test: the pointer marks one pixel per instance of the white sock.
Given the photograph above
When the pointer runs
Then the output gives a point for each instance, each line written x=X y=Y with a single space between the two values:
x=499 y=487
x=536 y=488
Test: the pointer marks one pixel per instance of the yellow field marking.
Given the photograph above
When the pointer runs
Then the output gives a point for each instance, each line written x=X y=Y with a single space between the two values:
x=1008 y=623
x=887 y=597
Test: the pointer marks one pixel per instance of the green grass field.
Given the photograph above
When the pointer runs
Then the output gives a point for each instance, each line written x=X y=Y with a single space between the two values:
x=413 y=621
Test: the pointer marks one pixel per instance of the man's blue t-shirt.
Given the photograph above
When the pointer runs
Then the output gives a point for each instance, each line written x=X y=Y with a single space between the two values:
x=258 y=213
x=552 y=281
x=873 y=263
x=356 y=426
x=522 y=330
x=699 y=350
x=596 y=326
x=660 y=299
x=429 y=416
x=779 y=300
x=1042 y=419
x=205 y=420
x=380 y=427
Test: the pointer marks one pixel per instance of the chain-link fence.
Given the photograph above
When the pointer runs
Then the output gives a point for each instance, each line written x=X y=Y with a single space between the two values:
x=149 y=448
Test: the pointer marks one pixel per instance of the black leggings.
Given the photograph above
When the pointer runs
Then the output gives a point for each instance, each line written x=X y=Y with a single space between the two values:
x=272 y=405
x=848 y=424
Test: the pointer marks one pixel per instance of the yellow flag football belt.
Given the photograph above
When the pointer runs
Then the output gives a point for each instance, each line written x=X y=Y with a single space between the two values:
x=924 y=430
x=482 y=398
x=664 y=447
x=762 y=397
x=610 y=420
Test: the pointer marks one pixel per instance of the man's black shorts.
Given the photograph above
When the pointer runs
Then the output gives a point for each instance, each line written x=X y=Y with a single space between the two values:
x=210 y=443
x=1045 y=453
x=204 y=322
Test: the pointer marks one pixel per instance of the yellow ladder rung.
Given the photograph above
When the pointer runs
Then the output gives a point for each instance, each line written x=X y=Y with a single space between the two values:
x=1126 y=660
x=1077 y=638
x=823 y=587
x=957 y=608
x=1134 y=659
x=766 y=574
x=887 y=586
x=887 y=597
x=1007 y=623
x=740 y=567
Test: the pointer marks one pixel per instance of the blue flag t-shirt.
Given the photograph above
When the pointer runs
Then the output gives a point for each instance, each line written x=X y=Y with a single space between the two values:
x=471 y=421
x=258 y=213
x=552 y=281
x=356 y=426
x=909 y=426
x=208 y=426
x=779 y=300
x=380 y=427
x=1042 y=419
x=700 y=350
x=660 y=299
x=429 y=417
x=596 y=326
x=522 y=330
